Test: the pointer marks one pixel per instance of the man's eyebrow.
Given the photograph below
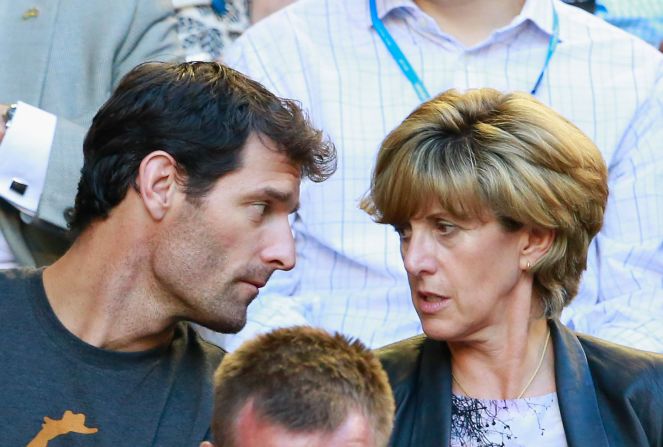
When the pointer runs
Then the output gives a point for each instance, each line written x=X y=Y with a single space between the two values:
x=280 y=196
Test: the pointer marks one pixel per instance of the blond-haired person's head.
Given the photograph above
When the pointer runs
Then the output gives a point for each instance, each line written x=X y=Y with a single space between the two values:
x=490 y=155
x=301 y=386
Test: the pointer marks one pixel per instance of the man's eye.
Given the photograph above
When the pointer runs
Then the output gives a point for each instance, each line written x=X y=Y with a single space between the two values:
x=260 y=208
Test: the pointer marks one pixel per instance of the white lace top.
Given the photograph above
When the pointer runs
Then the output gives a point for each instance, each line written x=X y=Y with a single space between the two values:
x=532 y=421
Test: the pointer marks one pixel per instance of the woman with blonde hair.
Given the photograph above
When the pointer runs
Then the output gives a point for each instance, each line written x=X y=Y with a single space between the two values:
x=496 y=198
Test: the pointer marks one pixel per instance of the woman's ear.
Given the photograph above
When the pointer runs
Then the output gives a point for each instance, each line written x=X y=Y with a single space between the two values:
x=538 y=242
x=157 y=183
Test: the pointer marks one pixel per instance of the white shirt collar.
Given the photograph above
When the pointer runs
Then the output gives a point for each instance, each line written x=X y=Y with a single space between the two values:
x=539 y=12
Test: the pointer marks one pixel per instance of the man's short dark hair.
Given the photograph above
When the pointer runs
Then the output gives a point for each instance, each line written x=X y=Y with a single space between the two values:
x=304 y=380
x=202 y=114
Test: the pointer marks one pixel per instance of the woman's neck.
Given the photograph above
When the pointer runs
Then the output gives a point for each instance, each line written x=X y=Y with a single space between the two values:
x=500 y=362
x=471 y=21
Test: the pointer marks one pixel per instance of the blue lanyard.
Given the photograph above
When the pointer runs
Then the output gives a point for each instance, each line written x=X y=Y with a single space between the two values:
x=412 y=75
x=219 y=6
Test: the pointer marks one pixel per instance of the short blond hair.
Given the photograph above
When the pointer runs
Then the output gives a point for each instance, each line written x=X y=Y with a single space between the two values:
x=506 y=153
x=305 y=380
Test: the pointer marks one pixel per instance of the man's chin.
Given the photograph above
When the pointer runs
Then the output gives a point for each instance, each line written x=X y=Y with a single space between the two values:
x=225 y=325
x=228 y=319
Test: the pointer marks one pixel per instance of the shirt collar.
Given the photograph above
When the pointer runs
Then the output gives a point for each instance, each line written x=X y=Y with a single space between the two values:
x=386 y=7
x=539 y=12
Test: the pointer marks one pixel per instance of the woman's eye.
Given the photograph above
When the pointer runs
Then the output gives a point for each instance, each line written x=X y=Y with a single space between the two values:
x=403 y=232
x=445 y=227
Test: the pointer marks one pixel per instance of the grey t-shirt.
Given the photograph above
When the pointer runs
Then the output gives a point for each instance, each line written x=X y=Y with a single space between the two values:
x=59 y=391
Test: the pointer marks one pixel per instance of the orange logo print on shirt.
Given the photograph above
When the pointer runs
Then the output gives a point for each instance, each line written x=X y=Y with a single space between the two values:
x=52 y=428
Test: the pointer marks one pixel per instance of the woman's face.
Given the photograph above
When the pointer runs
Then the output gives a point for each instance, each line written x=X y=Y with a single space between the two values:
x=465 y=276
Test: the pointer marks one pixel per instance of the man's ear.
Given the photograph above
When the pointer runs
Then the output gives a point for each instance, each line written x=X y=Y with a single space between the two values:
x=537 y=243
x=206 y=444
x=157 y=183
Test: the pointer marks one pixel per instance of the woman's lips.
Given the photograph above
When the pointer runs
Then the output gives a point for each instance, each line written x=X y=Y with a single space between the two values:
x=430 y=303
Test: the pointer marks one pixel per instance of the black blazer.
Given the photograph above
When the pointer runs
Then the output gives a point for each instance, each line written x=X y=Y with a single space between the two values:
x=609 y=395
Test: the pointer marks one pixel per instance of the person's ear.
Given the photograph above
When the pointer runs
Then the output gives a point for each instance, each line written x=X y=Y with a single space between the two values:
x=157 y=183
x=537 y=243
x=206 y=444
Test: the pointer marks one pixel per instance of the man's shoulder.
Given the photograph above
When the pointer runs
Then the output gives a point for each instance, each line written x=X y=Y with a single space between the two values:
x=13 y=280
x=301 y=30
x=577 y=25
x=19 y=274
x=121 y=10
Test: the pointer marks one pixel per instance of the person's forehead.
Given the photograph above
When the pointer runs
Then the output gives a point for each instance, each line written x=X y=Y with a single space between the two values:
x=263 y=174
x=256 y=431
x=259 y=149
x=356 y=431
x=261 y=159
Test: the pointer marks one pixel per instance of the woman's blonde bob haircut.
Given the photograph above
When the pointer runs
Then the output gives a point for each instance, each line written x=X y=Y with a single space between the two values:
x=484 y=152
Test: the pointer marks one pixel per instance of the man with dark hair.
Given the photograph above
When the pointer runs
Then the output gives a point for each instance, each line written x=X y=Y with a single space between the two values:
x=301 y=386
x=190 y=174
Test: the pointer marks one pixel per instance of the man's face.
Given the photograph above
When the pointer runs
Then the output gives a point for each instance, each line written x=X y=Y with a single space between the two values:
x=252 y=430
x=214 y=255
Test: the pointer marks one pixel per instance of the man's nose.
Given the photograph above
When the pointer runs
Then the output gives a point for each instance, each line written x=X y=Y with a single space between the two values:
x=280 y=247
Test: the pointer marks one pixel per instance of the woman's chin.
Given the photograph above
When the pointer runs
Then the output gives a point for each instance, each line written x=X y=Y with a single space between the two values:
x=437 y=329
